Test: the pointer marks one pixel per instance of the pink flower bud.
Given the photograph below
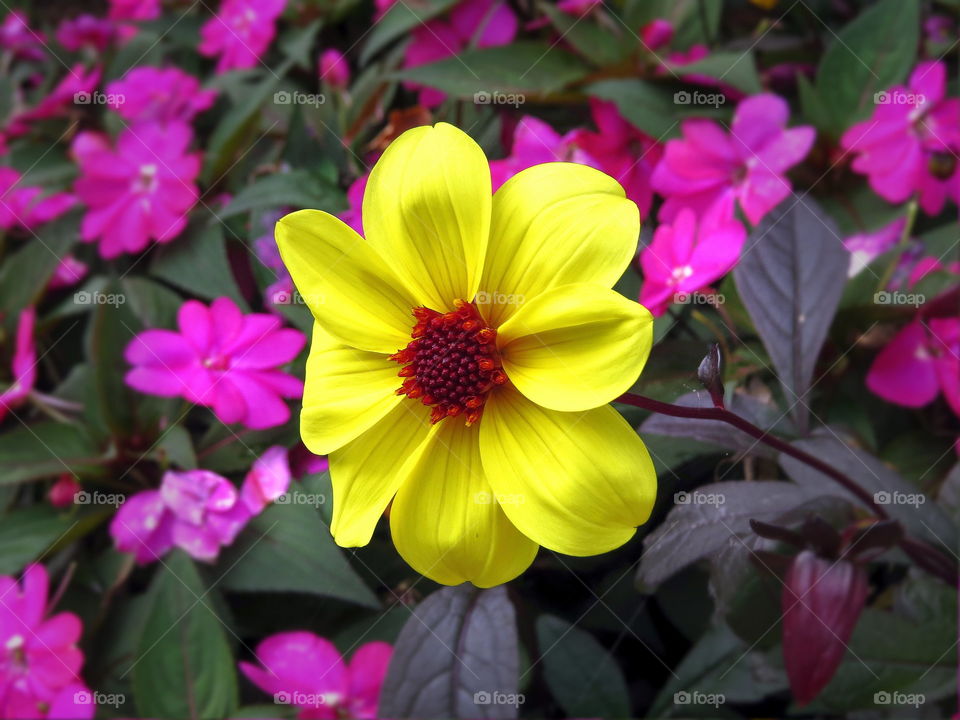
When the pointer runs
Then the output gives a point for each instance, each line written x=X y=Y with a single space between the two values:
x=334 y=70
x=63 y=491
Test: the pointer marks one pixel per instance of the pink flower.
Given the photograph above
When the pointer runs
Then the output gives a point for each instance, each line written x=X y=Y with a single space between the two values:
x=39 y=658
x=622 y=151
x=303 y=462
x=86 y=31
x=24 y=364
x=240 y=32
x=535 y=142
x=134 y=9
x=63 y=491
x=310 y=672
x=353 y=216
x=198 y=511
x=577 y=7
x=656 y=33
x=865 y=247
x=709 y=167
x=68 y=273
x=483 y=23
x=162 y=94
x=17 y=37
x=920 y=362
x=910 y=142
x=334 y=69
x=221 y=359
x=26 y=206
x=76 y=85
x=685 y=257
x=139 y=191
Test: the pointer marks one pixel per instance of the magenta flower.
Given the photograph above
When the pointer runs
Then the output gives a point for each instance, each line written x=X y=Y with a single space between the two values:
x=68 y=273
x=198 y=511
x=710 y=167
x=24 y=364
x=221 y=359
x=63 y=492
x=134 y=9
x=240 y=32
x=27 y=206
x=865 y=247
x=86 y=31
x=334 y=69
x=19 y=38
x=686 y=256
x=656 y=33
x=622 y=151
x=39 y=659
x=162 y=94
x=139 y=191
x=910 y=142
x=75 y=85
x=535 y=142
x=307 y=671
x=920 y=362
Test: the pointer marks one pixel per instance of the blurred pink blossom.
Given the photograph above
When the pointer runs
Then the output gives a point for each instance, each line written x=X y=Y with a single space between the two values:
x=19 y=38
x=141 y=190
x=39 y=658
x=63 y=491
x=353 y=216
x=865 y=247
x=24 y=364
x=161 y=94
x=221 y=359
x=687 y=256
x=86 y=31
x=240 y=32
x=535 y=142
x=68 y=273
x=622 y=151
x=709 y=166
x=134 y=9
x=310 y=673
x=27 y=206
x=910 y=143
x=334 y=69
x=656 y=33
x=73 y=89
x=267 y=480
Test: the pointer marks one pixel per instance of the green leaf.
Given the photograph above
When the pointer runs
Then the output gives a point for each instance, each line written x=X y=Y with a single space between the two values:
x=733 y=68
x=43 y=450
x=583 y=677
x=287 y=548
x=872 y=53
x=155 y=305
x=595 y=43
x=298 y=188
x=297 y=44
x=28 y=533
x=398 y=21
x=183 y=667
x=197 y=262
x=525 y=67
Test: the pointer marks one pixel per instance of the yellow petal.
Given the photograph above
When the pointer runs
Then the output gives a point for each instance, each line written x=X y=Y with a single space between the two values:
x=426 y=210
x=576 y=347
x=555 y=224
x=446 y=522
x=367 y=472
x=347 y=286
x=345 y=392
x=585 y=478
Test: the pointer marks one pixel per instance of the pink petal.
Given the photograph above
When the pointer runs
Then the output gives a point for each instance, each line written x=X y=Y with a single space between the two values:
x=903 y=372
x=366 y=671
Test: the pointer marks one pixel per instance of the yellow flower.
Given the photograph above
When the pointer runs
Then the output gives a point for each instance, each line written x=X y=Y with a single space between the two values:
x=464 y=355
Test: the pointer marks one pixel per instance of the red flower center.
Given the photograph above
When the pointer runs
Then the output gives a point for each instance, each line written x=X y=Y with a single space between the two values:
x=451 y=364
